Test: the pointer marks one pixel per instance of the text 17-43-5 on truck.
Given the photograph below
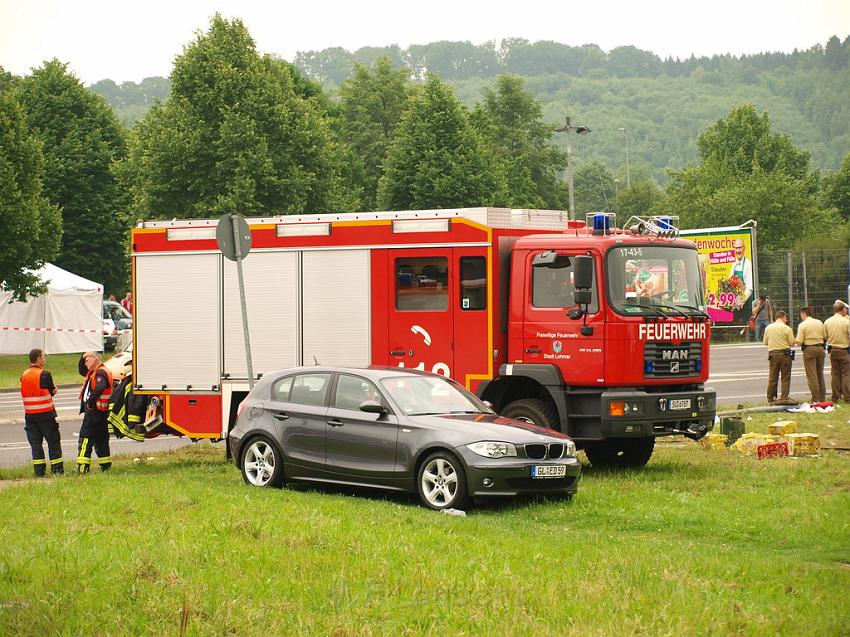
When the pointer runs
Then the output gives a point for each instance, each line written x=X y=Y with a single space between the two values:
x=581 y=326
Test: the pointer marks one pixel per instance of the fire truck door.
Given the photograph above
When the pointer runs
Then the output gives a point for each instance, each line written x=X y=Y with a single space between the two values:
x=420 y=316
x=550 y=336
x=472 y=344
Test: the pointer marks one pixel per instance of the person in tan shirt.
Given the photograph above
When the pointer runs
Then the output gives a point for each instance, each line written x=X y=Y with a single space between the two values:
x=779 y=339
x=837 y=332
x=810 y=338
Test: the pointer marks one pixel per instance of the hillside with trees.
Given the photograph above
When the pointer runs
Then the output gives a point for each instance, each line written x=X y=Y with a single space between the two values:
x=713 y=140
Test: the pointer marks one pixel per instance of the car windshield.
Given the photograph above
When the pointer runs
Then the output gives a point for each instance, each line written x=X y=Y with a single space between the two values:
x=654 y=280
x=421 y=395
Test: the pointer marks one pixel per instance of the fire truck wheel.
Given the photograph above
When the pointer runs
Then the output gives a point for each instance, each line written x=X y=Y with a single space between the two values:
x=534 y=411
x=621 y=452
x=262 y=463
x=441 y=482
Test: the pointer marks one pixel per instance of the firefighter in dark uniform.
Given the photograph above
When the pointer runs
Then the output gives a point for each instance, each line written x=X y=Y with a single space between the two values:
x=94 y=404
x=37 y=390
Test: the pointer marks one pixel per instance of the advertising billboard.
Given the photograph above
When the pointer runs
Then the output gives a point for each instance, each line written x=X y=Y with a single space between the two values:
x=727 y=258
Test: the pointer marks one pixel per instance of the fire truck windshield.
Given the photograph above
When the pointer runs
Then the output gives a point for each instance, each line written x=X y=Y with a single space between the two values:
x=653 y=279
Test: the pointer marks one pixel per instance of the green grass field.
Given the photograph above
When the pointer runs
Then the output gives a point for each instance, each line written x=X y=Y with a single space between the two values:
x=698 y=543
x=63 y=368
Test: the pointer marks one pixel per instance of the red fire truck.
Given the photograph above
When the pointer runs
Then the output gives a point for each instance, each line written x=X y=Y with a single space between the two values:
x=591 y=329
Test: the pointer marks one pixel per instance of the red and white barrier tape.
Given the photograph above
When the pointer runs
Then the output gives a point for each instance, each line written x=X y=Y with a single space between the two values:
x=5 y=328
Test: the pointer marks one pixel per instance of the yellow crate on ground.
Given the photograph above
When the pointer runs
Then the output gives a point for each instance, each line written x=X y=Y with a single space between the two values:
x=782 y=427
x=802 y=444
x=748 y=443
x=714 y=442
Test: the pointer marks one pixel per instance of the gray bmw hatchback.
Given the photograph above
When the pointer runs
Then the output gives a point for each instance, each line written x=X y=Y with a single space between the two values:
x=394 y=429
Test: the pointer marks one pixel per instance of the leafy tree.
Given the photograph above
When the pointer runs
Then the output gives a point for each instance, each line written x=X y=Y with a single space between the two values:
x=593 y=185
x=639 y=199
x=437 y=159
x=372 y=103
x=82 y=140
x=747 y=173
x=511 y=122
x=836 y=189
x=238 y=133
x=32 y=226
x=743 y=143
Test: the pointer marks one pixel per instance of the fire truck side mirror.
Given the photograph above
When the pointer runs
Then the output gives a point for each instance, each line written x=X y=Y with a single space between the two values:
x=551 y=259
x=582 y=297
x=583 y=274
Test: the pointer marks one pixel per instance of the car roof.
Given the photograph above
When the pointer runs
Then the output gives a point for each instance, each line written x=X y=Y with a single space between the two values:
x=372 y=373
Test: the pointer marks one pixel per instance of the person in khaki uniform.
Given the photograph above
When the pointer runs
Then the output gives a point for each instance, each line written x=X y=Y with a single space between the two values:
x=779 y=339
x=810 y=338
x=837 y=342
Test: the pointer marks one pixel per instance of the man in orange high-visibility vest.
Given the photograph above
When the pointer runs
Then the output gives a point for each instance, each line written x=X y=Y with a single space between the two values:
x=37 y=390
x=94 y=404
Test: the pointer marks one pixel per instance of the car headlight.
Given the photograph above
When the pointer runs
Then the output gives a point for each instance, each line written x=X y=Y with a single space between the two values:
x=570 y=449
x=490 y=449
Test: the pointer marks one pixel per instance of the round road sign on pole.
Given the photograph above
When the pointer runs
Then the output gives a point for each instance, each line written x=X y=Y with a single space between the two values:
x=224 y=232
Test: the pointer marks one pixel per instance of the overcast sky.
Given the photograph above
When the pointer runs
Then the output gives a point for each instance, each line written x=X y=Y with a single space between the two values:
x=132 y=40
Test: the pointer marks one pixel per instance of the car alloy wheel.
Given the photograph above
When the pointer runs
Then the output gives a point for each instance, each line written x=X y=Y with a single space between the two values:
x=261 y=464
x=442 y=483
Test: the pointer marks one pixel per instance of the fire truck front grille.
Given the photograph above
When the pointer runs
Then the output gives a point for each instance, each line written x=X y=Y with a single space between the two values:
x=554 y=451
x=664 y=359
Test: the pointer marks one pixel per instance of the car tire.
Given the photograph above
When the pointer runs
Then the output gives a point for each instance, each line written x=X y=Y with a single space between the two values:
x=621 y=452
x=534 y=411
x=441 y=482
x=262 y=463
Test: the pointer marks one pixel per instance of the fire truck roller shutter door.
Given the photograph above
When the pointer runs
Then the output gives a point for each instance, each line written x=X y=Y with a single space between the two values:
x=271 y=295
x=336 y=299
x=177 y=320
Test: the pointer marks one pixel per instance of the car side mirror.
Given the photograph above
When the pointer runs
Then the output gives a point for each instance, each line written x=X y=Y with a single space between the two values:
x=372 y=407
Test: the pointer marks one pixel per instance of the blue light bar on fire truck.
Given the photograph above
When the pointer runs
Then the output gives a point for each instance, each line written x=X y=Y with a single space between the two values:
x=602 y=222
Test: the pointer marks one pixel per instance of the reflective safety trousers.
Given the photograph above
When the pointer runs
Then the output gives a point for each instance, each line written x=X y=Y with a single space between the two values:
x=127 y=410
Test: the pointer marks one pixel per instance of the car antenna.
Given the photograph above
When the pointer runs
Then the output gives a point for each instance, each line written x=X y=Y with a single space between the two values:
x=315 y=360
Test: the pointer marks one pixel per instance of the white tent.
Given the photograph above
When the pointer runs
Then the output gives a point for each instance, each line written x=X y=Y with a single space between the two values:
x=68 y=318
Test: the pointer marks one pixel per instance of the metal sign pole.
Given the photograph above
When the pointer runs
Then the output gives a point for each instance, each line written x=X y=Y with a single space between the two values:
x=238 y=246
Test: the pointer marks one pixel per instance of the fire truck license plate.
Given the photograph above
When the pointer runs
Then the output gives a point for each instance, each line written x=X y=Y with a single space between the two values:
x=680 y=403
x=548 y=471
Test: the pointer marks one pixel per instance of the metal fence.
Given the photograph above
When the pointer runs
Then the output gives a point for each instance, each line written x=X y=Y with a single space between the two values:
x=793 y=280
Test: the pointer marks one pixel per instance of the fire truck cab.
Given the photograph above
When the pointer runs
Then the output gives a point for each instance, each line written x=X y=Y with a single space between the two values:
x=594 y=330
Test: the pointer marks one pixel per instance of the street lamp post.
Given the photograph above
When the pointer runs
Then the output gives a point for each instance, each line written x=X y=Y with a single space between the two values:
x=578 y=130
x=628 y=178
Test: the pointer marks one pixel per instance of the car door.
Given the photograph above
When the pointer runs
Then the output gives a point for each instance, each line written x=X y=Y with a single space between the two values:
x=361 y=446
x=299 y=407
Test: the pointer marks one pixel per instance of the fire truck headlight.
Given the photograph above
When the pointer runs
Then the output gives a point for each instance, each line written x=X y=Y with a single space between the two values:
x=617 y=408
x=491 y=449
x=703 y=403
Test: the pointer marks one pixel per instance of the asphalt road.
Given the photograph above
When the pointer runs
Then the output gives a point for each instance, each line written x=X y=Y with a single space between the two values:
x=738 y=374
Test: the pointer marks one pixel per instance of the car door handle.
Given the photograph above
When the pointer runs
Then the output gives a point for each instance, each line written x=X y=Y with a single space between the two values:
x=397 y=352
x=532 y=350
x=335 y=423
x=280 y=416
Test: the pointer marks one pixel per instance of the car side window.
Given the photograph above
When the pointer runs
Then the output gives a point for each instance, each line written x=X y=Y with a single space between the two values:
x=310 y=389
x=353 y=391
x=280 y=390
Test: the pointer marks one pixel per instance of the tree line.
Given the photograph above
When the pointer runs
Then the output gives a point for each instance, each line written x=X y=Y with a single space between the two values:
x=239 y=131
x=464 y=60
